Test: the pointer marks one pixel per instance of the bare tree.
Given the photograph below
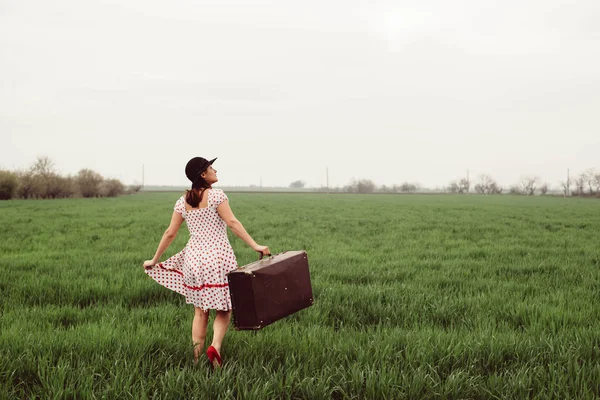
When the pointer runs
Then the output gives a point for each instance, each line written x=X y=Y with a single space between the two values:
x=43 y=166
x=408 y=187
x=366 y=186
x=297 y=184
x=480 y=188
x=528 y=185
x=453 y=187
x=515 y=189
x=385 y=189
x=26 y=188
x=495 y=188
x=352 y=187
x=588 y=178
x=60 y=187
x=579 y=186
x=464 y=185
x=566 y=187
x=544 y=188
x=487 y=185
x=9 y=181
x=136 y=187
x=111 y=188
x=596 y=182
x=89 y=182
x=43 y=176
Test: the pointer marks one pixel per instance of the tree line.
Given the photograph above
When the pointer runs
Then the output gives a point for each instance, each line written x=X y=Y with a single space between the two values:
x=41 y=181
x=586 y=184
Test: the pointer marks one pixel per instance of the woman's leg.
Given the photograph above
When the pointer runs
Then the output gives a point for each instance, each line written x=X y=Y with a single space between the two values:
x=220 y=326
x=199 y=326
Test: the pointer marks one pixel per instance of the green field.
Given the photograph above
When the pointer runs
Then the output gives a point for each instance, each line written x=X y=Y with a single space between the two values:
x=415 y=297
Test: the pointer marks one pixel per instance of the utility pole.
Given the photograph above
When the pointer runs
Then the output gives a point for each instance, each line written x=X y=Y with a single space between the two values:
x=568 y=182
x=468 y=182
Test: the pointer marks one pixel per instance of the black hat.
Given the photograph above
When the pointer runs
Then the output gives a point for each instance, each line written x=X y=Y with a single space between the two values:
x=196 y=166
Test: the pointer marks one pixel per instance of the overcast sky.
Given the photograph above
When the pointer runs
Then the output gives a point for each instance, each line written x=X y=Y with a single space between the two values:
x=393 y=91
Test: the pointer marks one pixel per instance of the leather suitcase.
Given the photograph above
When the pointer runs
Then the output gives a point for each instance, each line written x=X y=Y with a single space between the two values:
x=270 y=289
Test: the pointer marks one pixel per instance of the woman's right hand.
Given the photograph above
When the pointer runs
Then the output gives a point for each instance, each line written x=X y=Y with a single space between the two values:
x=263 y=250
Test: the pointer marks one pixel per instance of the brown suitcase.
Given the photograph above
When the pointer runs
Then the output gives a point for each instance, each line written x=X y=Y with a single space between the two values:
x=270 y=289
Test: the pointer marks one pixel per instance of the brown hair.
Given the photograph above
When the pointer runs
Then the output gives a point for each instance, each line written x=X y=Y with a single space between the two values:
x=194 y=196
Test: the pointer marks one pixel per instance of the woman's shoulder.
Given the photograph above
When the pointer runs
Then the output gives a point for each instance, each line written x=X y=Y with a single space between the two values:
x=180 y=205
x=217 y=196
x=216 y=192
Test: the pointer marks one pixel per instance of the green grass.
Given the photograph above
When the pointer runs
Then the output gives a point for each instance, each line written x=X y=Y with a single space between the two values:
x=415 y=297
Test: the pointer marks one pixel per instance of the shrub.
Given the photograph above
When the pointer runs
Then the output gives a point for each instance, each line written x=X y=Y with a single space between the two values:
x=89 y=183
x=9 y=181
x=112 y=188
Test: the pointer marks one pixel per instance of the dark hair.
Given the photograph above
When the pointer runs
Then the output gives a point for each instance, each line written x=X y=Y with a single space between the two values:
x=194 y=196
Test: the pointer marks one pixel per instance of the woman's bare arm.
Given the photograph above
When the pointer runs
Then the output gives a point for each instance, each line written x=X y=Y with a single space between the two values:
x=238 y=229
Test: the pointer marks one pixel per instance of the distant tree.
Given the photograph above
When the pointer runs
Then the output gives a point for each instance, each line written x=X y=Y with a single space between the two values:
x=26 y=188
x=544 y=188
x=360 y=186
x=487 y=185
x=464 y=185
x=515 y=189
x=43 y=166
x=566 y=187
x=579 y=186
x=407 y=187
x=135 y=188
x=47 y=183
x=587 y=177
x=88 y=182
x=60 y=187
x=453 y=187
x=351 y=187
x=297 y=184
x=111 y=188
x=365 y=186
x=9 y=181
x=528 y=185
x=41 y=173
x=596 y=182
x=461 y=186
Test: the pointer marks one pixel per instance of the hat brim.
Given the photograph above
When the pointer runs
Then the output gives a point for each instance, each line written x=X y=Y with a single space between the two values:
x=207 y=165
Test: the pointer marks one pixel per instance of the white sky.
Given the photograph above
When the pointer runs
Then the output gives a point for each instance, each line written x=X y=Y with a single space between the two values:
x=392 y=91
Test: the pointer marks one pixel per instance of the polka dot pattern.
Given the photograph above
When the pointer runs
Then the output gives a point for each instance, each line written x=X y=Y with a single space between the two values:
x=198 y=272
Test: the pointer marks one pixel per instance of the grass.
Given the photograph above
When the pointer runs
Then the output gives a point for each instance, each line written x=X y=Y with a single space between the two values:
x=415 y=297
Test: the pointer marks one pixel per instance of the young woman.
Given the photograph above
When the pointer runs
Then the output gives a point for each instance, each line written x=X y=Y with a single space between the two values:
x=199 y=271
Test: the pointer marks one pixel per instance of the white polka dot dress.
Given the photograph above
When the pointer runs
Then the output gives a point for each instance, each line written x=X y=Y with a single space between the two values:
x=199 y=271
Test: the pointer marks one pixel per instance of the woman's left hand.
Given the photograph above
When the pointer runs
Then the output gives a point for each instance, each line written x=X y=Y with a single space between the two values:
x=148 y=264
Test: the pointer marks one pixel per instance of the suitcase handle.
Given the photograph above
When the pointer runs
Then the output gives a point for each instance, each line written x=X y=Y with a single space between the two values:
x=260 y=257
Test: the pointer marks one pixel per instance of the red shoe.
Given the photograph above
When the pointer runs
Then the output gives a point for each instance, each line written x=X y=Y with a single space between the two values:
x=214 y=357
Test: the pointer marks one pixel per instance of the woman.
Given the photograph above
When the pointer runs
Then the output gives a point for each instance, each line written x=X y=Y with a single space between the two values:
x=199 y=271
